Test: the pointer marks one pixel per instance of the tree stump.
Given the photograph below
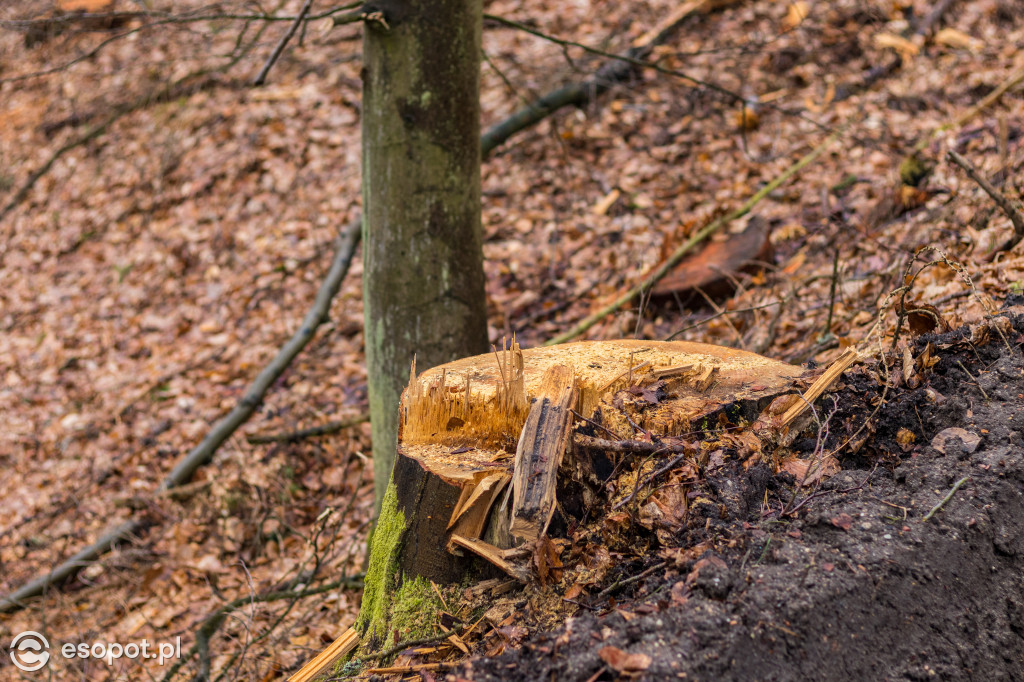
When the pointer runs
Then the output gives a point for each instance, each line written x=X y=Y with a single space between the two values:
x=471 y=427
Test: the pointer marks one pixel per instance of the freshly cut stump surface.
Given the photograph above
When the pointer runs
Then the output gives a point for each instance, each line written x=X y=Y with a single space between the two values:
x=449 y=513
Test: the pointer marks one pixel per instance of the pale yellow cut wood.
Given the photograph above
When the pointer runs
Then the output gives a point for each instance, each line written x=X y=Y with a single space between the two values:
x=481 y=402
x=829 y=377
x=328 y=657
x=493 y=555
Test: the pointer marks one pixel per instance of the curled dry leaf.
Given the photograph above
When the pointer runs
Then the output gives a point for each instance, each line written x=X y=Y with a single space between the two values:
x=808 y=472
x=623 y=661
x=843 y=521
x=906 y=438
x=943 y=441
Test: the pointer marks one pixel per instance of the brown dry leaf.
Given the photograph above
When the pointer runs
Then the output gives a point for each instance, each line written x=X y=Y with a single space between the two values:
x=844 y=521
x=679 y=593
x=951 y=37
x=606 y=202
x=795 y=14
x=680 y=557
x=547 y=561
x=624 y=662
x=923 y=318
x=944 y=439
x=906 y=48
x=712 y=269
x=574 y=591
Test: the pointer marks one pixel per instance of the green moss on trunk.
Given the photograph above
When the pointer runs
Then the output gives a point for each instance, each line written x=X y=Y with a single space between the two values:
x=382 y=575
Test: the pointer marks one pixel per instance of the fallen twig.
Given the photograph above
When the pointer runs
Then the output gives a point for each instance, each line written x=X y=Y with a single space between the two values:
x=202 y=453
x=944 y=500
x=15 y=600
x=261 y=78
x=402 y=646
x=310 y=432
x=1016 y=217
x=616 y=70
x=988 y=100
x=210 y=626
x=696 y=239
x=968 y=373
x=172 y=90
x=618 y=584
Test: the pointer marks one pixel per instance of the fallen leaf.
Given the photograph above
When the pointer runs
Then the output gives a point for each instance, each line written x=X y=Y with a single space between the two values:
x=622 y=661
x=906 y=48
x=680 y=593
x=797 y=12
x=843 y=521
x=954 y=38
x=945 y=438
x=602 y=206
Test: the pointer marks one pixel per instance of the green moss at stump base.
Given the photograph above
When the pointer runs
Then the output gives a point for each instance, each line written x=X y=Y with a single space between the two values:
x=382 y=575
x=414 y=610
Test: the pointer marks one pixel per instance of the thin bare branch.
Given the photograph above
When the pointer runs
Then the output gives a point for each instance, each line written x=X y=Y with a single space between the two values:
x=261 y=78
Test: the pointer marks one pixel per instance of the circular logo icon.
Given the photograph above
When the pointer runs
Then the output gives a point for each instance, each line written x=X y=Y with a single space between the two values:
x=29 y=651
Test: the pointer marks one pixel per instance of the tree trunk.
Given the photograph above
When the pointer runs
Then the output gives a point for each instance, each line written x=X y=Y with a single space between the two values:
x=470 y=427
x=423 y=262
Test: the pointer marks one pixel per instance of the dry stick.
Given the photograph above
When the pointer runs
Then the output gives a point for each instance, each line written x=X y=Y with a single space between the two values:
x=262 y=77
x=32 y=179
x=310 y=432
x=988 y=100
x=973 y=379
x=1016 y=217
x=408 y=644
x=626 y=447
x=204 y=452
x=579 y=94
x=629 y=581
x=101 y=128
x=213 y=622
x=696 y=239
x=719 y=314
x=160 y=19
x=947 y=498
x=15 y=600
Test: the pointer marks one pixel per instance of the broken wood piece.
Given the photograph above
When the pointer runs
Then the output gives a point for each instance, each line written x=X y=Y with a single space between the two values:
x=627 y=447
x=455 y=639
x=681 y=370
x=1011 y=211
x=544 y=438
x=492 y=555
x=470 y=514
x=328 y=657
x=829 y=377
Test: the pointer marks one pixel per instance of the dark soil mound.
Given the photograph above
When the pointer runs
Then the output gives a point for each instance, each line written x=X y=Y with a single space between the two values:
x=879 y=576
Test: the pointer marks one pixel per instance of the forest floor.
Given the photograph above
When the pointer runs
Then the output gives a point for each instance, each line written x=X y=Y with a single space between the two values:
x=164 y=227
x=906 y=565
